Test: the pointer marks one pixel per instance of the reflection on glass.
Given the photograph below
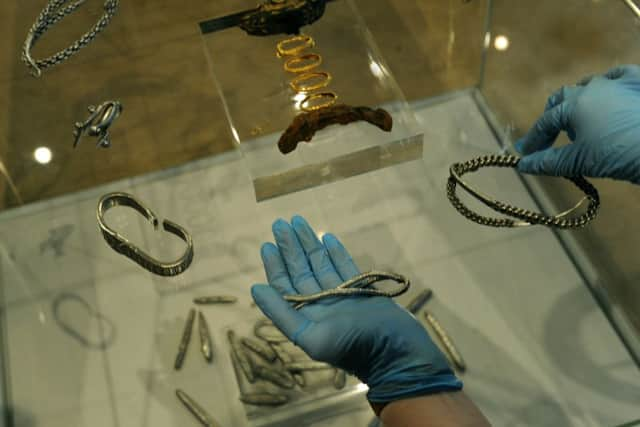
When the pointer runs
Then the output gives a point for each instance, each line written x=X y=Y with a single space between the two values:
x=42 y=155
x=501 y=42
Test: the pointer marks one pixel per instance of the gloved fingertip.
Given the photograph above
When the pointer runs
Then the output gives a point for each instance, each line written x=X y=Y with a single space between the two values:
x=330 y=240
x=519 y=145
x=268 y=249
x=279 y=225
x=298 y=220
x=257 y=292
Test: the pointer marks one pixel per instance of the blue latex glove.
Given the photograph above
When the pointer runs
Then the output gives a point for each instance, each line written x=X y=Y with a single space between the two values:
x=371 y=337
x=601 y=115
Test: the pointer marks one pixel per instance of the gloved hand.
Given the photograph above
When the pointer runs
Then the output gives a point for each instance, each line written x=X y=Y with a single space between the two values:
x=601 y=115
x=371 y=337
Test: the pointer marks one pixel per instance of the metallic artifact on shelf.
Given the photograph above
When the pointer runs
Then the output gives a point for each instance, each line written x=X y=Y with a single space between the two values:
x=305 y=125
x=419 y=301
x=357 y=285
x=263 y=350
x=54 y=11
x=201 y=415
x=307 y=365
x=448 y=345
x=267 y=331
x=519 y=217
x=339 y=379
x=206 y=346
x=108 y=328
x=242 y=359
x=216 y=299
x=270 y=18
x=98 y=123
x=264 y=399
x=278 y=377
x=123 y=246
x=285 y=358
x=185 y=339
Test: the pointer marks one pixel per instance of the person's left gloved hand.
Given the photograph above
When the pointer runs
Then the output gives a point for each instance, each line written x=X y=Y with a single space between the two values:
x=371 y=337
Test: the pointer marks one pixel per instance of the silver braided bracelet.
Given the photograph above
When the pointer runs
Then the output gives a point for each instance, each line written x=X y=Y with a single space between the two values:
x=53 y=12
x=519 y=217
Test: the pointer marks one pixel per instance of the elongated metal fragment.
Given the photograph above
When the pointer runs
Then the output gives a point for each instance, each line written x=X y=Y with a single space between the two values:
x=264 y=399
x=416 y=304
x=267 y=331
x=307 y=365
x=339 y=379
x=243 y=360
x=201 y=415
x=206 y=346
x=261 y=349
x=216 y=299
x=448 y=345
x=184 y=341
x=280 y=378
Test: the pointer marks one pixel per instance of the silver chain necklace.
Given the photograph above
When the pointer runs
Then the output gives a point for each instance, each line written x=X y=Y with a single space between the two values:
x=53 y=12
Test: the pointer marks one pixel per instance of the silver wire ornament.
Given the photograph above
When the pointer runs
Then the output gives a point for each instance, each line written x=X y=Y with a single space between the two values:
x=519 y=217
x=53 y=12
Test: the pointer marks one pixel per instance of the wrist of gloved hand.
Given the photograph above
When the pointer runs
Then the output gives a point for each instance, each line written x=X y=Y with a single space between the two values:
x=389 y=385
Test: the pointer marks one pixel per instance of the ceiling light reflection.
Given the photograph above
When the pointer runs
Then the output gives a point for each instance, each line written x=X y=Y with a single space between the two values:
x=376 y=69
x=42 y=155
x=501 y=42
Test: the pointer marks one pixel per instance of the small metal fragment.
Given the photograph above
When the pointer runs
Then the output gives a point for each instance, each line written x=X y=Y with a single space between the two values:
x=339 y=379
x=448 y=345
x=184 y=341
x=205 y=338
x=419 y=301
x=216 y=299
x=201 y=415
x=307 y=365
x=241 y=357
x=268 y=332
x=263 y=350
x=264 y=399
x=280 y=378
x=285 y=358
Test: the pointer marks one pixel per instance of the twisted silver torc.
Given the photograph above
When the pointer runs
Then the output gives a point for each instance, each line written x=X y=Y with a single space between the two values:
x=519 y=217
x=53 y=12
x=355 y=286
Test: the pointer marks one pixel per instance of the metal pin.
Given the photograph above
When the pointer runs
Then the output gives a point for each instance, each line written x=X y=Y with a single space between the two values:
x=285 y=358
x=184 y=341
x=241 y=357
x=416 y=304
x=448 y=345
x=266 y=331
x=263 y=350
x=340 y=379
x=264 y=399
x=307 y=365
x=216 y=299
x=206 y=346
x=280 y=378
x=201 y=415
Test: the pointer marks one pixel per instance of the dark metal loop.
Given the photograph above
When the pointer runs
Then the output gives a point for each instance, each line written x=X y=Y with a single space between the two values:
x=518 y=217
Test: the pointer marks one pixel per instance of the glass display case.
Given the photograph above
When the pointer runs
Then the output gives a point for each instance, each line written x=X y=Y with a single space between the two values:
x=91 y=338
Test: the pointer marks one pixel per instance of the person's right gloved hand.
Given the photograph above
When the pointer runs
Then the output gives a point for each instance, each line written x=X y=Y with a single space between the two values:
x=371 y=337
x=601 y=116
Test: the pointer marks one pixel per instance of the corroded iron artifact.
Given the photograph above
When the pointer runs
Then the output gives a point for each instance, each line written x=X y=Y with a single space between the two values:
x=280 y=378
x=123 y=246
x=184 y=340
x=270 y=18
x=305 y=125
x=241 y=357
x=206 y=346
x=519 y=217
x=448 y=345
x=98 y=123
x=53 y=12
